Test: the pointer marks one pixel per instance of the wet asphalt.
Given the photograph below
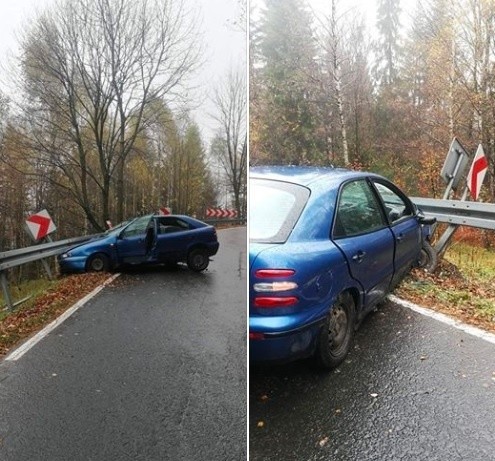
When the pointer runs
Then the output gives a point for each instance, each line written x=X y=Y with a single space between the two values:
x=152 y=368
x=411 y=389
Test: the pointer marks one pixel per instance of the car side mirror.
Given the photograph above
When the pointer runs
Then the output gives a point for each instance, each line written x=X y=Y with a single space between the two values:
x=424 y=221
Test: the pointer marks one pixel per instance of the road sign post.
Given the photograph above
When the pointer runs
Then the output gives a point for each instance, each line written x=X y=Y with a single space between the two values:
x=453 y=171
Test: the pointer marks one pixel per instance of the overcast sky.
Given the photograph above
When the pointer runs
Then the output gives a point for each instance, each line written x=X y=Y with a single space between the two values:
x=225 y=45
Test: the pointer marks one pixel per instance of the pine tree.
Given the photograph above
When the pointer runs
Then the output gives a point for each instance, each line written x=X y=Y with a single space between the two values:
x=388 y=48
x=284 y=118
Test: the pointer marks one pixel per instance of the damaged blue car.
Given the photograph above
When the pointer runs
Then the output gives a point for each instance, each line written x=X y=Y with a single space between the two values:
x=146 y=240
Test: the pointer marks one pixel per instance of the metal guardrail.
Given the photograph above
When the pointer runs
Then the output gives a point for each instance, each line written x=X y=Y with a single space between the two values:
x=472 y=214
x=14 y=258
x=215 y=222
x=456 y=213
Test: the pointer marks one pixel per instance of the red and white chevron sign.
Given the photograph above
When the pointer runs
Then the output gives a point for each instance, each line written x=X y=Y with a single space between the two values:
x=477 y=173
x=220 y=213
x=40 y=224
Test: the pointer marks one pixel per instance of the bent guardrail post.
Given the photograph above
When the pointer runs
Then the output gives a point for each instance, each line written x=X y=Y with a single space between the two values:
x=45 y=263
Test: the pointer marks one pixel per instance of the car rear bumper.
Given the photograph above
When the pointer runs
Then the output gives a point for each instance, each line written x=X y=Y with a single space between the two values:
x=284 y=346
x=213 y=248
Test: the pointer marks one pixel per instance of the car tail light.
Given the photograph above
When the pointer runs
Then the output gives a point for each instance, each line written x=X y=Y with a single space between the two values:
x=275 y=286
x=256 y=336
x=274 y=273
x=269 y=302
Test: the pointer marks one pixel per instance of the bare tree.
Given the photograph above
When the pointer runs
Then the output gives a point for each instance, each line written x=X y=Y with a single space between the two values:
x=230 y=144
x=91 y=69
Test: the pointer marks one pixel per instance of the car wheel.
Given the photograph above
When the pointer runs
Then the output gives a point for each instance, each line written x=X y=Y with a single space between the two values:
x=198 y=260
x=98 y=262
x=336 y=335
x=428 y=258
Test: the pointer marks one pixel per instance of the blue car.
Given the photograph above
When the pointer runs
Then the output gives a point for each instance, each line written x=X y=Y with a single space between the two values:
x=326 y=245
x=151 y=239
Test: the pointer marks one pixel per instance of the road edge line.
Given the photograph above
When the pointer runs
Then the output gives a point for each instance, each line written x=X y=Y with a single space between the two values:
x=16 y=354
x=470 y=329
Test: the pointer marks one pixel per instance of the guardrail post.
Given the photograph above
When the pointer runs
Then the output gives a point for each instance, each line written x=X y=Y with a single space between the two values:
x=47 y=268
x=6 y=291
x=444 y=240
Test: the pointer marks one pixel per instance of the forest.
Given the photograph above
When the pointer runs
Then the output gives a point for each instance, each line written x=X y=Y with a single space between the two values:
x=325 y=90
x=98 y=128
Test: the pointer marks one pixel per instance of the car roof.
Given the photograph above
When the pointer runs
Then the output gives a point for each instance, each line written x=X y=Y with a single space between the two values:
x=308 y=176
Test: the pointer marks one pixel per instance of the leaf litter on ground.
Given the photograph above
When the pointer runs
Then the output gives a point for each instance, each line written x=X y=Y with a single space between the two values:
x=34 y=314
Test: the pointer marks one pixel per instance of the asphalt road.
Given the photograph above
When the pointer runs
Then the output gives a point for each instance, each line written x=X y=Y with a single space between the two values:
x=152 y=368
x=412 y=389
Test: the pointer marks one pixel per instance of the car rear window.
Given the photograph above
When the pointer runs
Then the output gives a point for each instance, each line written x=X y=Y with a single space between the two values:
x=274 y=208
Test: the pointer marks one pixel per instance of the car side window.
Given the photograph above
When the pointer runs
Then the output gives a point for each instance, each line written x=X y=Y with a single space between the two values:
x=167 y=225
x=395 y=206
x=358 y=211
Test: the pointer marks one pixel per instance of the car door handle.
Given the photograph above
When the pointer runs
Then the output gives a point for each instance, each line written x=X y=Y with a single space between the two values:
x=400 y=237
x=359 y=256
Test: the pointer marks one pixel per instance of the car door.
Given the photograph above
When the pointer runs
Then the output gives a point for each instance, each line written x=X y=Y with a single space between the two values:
x=133 y=243
x=404 y=225
x=174 y=236
x=361 y=232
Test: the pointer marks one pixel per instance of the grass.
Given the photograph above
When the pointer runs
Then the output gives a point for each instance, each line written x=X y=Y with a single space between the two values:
x=474 y=262
x=463 y=285
x=30 y=289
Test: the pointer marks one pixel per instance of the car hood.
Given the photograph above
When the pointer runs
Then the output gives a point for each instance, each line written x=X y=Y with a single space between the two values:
x=98 y=238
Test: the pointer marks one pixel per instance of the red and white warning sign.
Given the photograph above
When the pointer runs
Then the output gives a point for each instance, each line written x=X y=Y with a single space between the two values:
x=220 y=213
x=40 y=225
x=477 y=173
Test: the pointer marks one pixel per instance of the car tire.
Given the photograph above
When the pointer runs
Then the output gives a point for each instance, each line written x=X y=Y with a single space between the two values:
x=98 y=262
x=335 y=338
x=198 y=260
x=428 y=257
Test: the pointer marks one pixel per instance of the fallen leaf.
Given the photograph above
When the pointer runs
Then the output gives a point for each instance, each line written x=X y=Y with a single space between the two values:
x=323 y=442
x=261 y=424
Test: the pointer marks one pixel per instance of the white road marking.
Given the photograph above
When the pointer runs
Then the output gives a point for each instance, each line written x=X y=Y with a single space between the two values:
x=474 y=331
x=21 y=350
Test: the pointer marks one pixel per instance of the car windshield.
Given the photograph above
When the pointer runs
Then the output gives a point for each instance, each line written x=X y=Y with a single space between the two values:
x=136 y=227
x=274 y=209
